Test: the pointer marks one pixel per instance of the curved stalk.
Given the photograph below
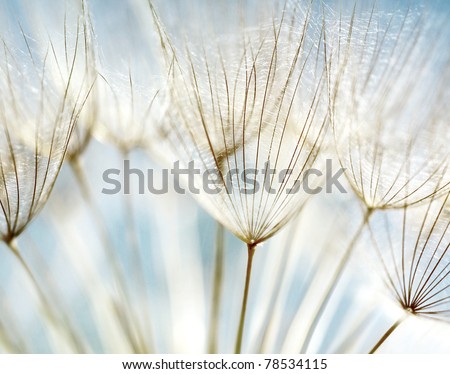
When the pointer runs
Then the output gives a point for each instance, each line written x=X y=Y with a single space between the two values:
x=251 y=251
x=386 y=335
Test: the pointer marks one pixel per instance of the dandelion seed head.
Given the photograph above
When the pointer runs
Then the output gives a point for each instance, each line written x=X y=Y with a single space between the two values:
x=129 y=94
x=391 y=129
x=244 y=100
x=413 y=246
x=42 y=100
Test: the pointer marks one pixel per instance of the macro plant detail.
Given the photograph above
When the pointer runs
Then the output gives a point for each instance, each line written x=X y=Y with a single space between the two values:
x=415 y=259
x=246 y=105
x=251 y=97
x=393 y=155
x=36 y=130
x=391 y=131
x=42 y=97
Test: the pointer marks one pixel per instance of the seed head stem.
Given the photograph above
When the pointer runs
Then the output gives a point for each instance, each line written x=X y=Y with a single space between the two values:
x=386 y=335
x=251 y=251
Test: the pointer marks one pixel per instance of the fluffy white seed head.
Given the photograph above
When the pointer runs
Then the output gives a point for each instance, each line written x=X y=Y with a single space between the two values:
x=244 y=103
x=413 y=245
x=389 y=109
x=41 y=97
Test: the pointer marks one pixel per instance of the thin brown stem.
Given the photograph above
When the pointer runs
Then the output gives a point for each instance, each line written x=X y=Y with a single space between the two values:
x=217 y=289
x=386 y=335
x=334 y=281
x=251 y=251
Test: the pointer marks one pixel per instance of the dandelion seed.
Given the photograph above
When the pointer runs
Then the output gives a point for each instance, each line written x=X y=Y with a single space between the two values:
x=125 y=109
x=413 y=247
x=245 y=101
x=37 y=122
x=37 y=117
x=391 y=131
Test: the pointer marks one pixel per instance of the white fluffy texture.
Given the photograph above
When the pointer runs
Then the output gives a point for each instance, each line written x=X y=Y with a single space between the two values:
x=390 y=112
x=413 y=246
x=291 y=271
x=42 y=94
x=129 y=95
x=245 y=99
